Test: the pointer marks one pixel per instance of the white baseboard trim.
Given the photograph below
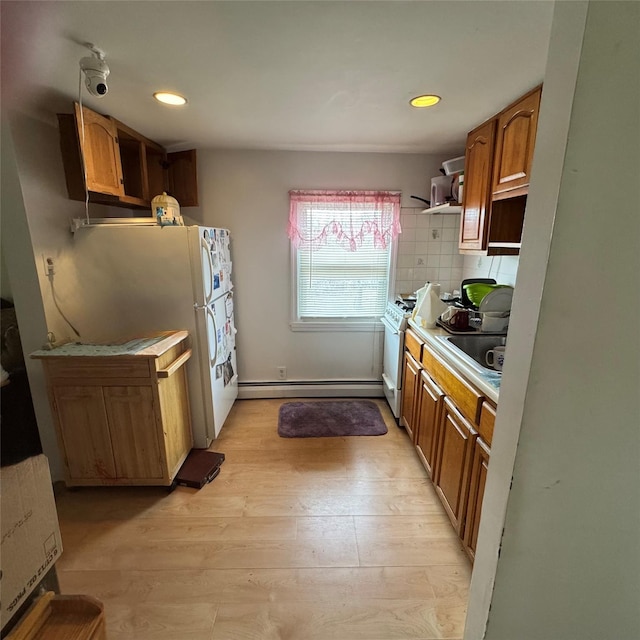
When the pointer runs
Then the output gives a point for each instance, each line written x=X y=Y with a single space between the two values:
x=310 y=389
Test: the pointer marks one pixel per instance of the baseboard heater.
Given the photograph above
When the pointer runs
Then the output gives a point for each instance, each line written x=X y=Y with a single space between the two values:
x=311 y=389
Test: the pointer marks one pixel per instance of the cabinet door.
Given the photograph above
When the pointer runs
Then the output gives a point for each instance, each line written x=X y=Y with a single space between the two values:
x=477 y=187
x=176 y=418
x=430 y=399
x=99 y=145
x=515 y=141
x=134 y=432
x=183 y=177
x=410 y=385
x=454 y=453
x=487 y=422
x=478 y=479
x=84 y=432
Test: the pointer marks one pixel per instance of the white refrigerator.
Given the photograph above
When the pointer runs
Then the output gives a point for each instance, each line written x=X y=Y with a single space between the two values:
x=137 y=278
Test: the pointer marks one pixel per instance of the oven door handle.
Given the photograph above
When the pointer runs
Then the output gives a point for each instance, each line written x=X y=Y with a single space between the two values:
x=389 y=326
x=388 y=382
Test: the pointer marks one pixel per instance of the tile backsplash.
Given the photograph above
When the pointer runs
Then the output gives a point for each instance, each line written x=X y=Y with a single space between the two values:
x=428 y=252
x=503 y=269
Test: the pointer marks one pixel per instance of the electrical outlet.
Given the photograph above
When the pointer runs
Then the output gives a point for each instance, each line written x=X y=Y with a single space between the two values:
x=48 y=266
x=282 y=373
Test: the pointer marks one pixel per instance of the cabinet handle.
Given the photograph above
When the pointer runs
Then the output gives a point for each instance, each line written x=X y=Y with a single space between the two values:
x=175 y=365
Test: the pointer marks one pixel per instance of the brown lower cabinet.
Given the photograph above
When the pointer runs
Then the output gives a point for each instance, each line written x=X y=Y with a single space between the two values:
x=478 y=478
x=457 y=437
x=431 y=398
x=411 y=378
x=451 y=424
x=411 y=368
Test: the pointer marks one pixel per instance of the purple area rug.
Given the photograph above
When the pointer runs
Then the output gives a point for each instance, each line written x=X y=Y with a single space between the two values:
x=330 y=419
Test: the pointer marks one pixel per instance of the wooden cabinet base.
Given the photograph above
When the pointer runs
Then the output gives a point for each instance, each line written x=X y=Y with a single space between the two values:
x=452 y=426
x=56 y=617
x=122 y=419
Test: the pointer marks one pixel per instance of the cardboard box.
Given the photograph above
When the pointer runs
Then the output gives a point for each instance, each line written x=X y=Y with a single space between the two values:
x=31 y=541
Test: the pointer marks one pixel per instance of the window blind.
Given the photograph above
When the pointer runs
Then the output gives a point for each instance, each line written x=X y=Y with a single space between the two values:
x=336 y=283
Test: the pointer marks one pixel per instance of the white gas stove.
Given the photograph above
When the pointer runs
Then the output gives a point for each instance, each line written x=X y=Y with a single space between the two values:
x=395 y=320
x=397 y=314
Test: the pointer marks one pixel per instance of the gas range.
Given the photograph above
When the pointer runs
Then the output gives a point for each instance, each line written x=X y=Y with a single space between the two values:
x=397 y=313
x=395 y=320
x=405 y=304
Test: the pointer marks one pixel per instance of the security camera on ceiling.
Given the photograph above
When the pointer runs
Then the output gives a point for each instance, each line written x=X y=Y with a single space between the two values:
x=95 y=71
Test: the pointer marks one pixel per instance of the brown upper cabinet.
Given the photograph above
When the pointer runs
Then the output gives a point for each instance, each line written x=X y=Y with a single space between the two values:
x=515 y=140
x=498 y=161
x=121 y=166
x=477 y=186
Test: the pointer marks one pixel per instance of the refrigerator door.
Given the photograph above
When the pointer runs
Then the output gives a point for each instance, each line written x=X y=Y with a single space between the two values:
x=216 y=261
x=215 y=323
x=221 y=338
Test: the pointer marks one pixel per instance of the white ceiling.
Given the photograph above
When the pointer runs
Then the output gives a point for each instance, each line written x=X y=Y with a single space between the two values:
x=298 y=75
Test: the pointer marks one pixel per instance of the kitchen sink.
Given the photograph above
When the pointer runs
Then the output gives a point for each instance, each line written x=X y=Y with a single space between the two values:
x=473 y=348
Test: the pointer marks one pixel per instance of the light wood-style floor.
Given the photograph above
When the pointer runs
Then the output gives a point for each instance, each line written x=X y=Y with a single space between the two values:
x=296 y=539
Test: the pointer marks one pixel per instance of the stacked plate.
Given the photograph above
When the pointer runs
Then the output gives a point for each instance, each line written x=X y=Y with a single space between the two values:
x=497 y=300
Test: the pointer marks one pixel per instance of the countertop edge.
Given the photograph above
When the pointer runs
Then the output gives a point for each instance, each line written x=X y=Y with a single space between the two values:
x=429 y=336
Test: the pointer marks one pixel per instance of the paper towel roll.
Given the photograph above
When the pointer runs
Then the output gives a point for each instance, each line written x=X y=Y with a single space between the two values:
x=429 y=307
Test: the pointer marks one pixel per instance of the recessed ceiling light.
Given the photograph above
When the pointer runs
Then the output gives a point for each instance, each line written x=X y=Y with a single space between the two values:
x=169 y=98
x=424 y=101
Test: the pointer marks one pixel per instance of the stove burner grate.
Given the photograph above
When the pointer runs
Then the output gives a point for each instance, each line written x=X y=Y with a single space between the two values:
x=405 y=304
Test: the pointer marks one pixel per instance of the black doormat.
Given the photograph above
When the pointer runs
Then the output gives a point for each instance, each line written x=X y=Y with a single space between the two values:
x=326 y=419
x=200 y=468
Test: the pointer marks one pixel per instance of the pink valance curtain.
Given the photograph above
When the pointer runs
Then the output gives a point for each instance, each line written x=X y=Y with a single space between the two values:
x=351 y=216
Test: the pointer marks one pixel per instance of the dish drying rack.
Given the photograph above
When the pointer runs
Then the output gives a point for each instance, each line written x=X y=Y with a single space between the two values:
x=475 y=326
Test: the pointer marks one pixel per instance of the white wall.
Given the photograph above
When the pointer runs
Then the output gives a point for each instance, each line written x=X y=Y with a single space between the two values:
x=36 y=215
x=49 y=213
x=247 y=191
x=569 y=561
x=21 y=275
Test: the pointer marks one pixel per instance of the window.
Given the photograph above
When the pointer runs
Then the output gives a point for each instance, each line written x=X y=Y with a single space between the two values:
x=342 y=249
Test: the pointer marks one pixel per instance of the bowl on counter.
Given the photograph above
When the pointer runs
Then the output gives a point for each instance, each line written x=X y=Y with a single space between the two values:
x=477 y=291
